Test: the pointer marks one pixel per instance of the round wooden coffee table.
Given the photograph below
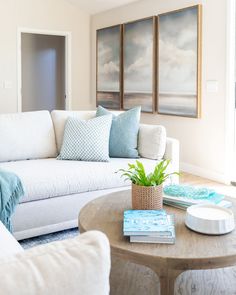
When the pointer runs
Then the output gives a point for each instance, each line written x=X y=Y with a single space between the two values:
x=190 y=251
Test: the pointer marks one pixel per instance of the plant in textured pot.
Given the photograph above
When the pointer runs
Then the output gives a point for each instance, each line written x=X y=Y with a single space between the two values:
x=147 y=189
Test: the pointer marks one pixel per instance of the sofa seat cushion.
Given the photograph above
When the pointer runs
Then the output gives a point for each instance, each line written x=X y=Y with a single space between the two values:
x=48 y=178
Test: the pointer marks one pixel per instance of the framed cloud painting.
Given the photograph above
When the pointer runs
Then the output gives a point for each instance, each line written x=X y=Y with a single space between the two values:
x=108 y=67
x=138 y=62
x=179 y=62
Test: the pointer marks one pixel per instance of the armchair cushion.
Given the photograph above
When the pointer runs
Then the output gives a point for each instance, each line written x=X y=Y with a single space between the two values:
x=74 y=266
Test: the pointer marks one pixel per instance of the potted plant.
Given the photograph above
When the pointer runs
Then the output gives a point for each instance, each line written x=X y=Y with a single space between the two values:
x=147 y=189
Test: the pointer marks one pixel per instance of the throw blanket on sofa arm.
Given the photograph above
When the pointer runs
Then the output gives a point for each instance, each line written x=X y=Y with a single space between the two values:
x=11 y=190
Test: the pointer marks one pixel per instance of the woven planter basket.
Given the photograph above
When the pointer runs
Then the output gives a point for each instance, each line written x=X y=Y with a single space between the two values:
x=147 y=197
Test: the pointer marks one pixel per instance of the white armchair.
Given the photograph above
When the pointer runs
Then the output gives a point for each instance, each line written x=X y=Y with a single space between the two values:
x=75 y=266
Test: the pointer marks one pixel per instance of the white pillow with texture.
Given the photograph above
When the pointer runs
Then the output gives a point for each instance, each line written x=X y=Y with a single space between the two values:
x=86 y=140
x=152 y=141
x=28 y=135
x=74 y=266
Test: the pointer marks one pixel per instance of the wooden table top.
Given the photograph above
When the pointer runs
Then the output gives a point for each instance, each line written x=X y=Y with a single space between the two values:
x=190 y=251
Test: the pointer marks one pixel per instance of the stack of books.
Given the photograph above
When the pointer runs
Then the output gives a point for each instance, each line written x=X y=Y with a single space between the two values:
x=149 y=226
x=186 y=200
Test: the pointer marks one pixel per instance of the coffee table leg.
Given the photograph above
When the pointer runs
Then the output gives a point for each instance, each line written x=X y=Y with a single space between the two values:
x=167 y=281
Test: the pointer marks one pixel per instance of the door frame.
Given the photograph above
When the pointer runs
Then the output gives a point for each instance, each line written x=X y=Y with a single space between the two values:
x=67 y=35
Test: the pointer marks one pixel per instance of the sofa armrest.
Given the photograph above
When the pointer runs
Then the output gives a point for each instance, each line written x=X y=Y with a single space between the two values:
x=172 y=153
x=74 y=266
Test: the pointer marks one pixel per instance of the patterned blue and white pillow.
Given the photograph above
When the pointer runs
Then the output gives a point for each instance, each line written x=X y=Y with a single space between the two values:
x=86 y=140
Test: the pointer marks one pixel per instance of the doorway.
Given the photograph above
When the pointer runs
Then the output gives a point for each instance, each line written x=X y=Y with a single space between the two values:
x=43 y=73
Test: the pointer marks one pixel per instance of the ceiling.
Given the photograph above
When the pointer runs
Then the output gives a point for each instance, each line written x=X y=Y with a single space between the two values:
x=96 y=6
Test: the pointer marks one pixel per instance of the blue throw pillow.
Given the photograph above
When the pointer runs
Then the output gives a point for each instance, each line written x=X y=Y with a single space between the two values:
x=86 y=140
x=124 y=133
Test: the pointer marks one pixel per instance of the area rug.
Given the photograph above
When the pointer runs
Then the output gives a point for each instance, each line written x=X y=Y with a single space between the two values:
x=58 y=236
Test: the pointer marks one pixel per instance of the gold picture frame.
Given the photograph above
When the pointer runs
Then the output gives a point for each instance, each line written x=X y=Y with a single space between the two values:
x=134 y=89
x=109 y=67
x=186 y=100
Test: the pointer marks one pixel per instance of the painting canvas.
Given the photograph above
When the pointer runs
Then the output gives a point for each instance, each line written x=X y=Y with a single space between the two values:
x=138 y=44
x=108 y=67
x=179 y=62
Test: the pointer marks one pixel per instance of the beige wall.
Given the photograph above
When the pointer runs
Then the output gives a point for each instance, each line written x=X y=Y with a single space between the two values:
x=54 y=15
x=203 y=141
x=203 y=146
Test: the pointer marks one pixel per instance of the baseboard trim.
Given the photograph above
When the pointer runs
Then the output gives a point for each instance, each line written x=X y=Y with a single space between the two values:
x=212 y=175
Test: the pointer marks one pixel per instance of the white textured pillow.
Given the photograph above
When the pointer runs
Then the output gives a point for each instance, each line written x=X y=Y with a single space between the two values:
x=28 y=135
x=60 y=118
x=86 y=140
x=70 y=267
x=152 y=141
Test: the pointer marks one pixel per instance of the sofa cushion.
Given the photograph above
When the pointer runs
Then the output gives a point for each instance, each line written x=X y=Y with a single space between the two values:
x=86 y=140
x=47 y=178
x=124 y=132
x=152 y=141
x=59 y=119
x=27 y=135
x=74 y=266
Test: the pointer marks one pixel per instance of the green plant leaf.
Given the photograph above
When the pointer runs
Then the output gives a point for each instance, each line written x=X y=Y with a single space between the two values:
x=137 y=174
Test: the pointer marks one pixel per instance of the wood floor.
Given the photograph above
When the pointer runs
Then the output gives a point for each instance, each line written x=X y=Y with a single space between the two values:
x=131 y=279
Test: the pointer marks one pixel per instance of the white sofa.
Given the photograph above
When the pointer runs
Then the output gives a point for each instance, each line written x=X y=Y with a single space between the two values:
x=76 y=266
x=56 y=190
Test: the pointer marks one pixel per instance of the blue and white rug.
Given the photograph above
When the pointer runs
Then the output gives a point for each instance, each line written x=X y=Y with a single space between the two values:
x=58 y=236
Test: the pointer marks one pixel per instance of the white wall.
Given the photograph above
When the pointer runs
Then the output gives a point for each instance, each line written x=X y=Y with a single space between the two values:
x=54 y=15
x=203 y=142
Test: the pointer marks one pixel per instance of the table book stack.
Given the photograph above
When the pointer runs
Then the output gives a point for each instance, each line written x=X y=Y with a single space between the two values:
x=149 y=226
x=182 y=197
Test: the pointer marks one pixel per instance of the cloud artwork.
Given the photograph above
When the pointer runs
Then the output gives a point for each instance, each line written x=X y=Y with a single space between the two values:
x=108 y=67
x=169 y=69
x=138 y=64
x=178 y=58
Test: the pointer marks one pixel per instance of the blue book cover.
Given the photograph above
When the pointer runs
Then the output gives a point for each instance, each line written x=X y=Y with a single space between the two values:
x=157 y=238
x=189 y=195
x=145 y=222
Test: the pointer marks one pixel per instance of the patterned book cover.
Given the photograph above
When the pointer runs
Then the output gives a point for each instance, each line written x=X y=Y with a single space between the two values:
x=145 y=222
x=157 y=238
x=186 y=195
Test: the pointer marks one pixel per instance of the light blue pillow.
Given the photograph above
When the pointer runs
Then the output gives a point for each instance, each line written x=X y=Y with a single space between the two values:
x=124 y=133
x=86 y=140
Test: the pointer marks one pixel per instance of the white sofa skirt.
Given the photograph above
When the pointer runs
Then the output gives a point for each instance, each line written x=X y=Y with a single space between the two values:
x=51 y=215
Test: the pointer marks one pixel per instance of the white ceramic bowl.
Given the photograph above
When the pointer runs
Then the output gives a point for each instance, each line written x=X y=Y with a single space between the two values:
x=209 y=219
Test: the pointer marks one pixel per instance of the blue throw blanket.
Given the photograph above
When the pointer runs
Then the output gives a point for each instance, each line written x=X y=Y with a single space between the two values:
x=11 y=190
